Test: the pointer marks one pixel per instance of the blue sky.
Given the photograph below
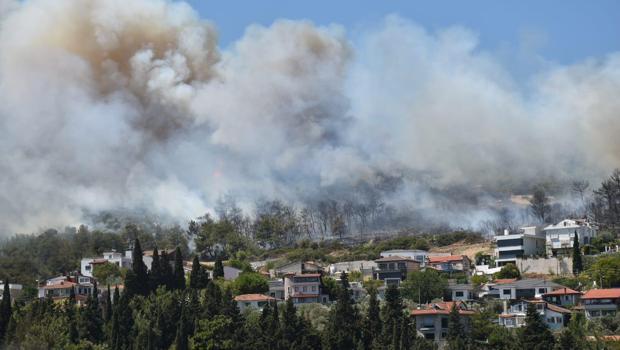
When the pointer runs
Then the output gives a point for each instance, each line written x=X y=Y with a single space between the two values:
x=565 y=31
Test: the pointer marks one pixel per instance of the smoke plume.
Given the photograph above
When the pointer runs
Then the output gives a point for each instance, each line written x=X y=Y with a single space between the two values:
x=131 y=104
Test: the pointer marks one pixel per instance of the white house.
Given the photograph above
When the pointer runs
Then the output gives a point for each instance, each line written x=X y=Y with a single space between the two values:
x=253 y=301
x=304 y=288
x=59 y=288
x=525 y=289
x=554 y=316
x=560 y=236
x=413 y=254
x=461 y=292
x=87 y=265
x=527 y=241
x=14 y=289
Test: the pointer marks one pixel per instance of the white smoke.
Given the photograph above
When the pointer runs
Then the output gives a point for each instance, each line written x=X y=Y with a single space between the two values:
x=108 y=103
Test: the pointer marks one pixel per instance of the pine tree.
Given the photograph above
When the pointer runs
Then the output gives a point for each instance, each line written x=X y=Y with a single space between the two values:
x=218 y=269
x=155 y=275
x=140 y=270
x=179 y=272
x=5 y=310
x=577 y=260
x=535 y=335
x=213 y=299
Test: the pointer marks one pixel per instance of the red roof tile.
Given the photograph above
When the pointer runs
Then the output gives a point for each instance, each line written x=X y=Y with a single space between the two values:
x=504 y=280
x=563 y=291
x=602 y=294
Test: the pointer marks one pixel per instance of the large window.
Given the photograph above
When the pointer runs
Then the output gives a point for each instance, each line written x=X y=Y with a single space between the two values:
x=509 y=242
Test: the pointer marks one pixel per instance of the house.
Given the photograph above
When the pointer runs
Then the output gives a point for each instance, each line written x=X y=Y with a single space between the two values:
x=298 y=267
x=527 y=241
x=554 y=316
x=230 y=273
x=564 y=297
x=490 y=289
x=253 y=301
x=432 y=320
x=365 y=267
x=394 y=269
x=559 y=237
x=414 y=254
x=600 y=302
x=122 y=260
x=460 y=292
x=14 y=289
x=525 y=289
x=485 y=270
x=59 y=288
x=304 y=288
x=450 y=263
x=276 y=289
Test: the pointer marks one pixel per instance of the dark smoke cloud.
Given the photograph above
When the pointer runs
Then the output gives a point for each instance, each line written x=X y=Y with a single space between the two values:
x=108 y=103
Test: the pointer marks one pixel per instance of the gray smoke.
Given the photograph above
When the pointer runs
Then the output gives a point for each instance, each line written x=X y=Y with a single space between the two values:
x=110 y=104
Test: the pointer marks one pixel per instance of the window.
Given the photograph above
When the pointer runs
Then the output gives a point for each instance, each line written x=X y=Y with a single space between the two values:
x=314 y=288
x=506 y=291
x=87 y=267
x=542 y=290
x=305 y=289
x=459 y=294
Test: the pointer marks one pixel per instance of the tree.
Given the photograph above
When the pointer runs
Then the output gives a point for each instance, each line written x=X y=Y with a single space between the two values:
x=213 y=334
x=606 y=271
x=218 y=269
x=107 y=315
x=155 y=275
x=573 y=337
x=391 y=316
x=167 y=277
x=141 y=284
x=91 y=323
x=424 y=286
x=179 y=272
x=341 y=331
x=509 y=270
x=539 y=204
x=577 y=261
x=249 y=283
x=122 y=324
x=198 y=277
x=181 y=340
x=535 y=335
x=371 y=324
x=5 y=310
x=456 y=332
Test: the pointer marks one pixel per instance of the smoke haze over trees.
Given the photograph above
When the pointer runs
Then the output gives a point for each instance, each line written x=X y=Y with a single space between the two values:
x=112 y=105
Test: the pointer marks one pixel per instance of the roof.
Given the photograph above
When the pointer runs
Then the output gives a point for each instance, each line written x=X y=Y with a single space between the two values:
x=99 y=261
x=442 y=259
x=416 y=251
x=504 y=280
x=304 y=274
x=602 y=294
x=439 y=312
x=531 y=283
x=395 y=258
x=254 y=297
x=559 y=309
x=563 y=291
x=305 y=295
x=61 y=285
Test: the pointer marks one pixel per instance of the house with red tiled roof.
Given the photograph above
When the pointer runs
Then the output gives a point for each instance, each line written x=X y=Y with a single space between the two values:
x=450 y=263
x=554 y=316
x=432 y=319
x=564 y=297
x=254 y=301
x=59 y=288
x=600 y=302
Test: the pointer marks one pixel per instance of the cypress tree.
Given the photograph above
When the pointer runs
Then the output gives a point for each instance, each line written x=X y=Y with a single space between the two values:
x=114 y=328
x=456 y=333
x=71 y=317
x=155 y=275
x=342 y=328
x=5 y=310
x=139 y=269
x=391 y=314
x=181 y=340
x=270 y=326
x=167 y=277
x=218 y=269
x=371 y=324
x=198 y=277
x=213 y=296
x=179 y=272
x=122 y=323
x=91 y=323
x=108 y=306
x=577 y=260
x=535 y=335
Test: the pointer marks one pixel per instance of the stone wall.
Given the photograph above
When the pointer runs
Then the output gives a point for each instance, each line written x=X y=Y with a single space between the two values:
x=556 y=266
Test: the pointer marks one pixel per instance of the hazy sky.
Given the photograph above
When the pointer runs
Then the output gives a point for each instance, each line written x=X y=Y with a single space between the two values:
x=563 y=31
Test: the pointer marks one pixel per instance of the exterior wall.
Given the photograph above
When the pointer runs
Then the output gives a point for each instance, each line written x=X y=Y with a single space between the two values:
x=559 y=237
x=561 y=266
x=435 y=327
x=417 y=255
x=563 y=300
x=465 y=295
x=600 y=307
x=256 y=305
